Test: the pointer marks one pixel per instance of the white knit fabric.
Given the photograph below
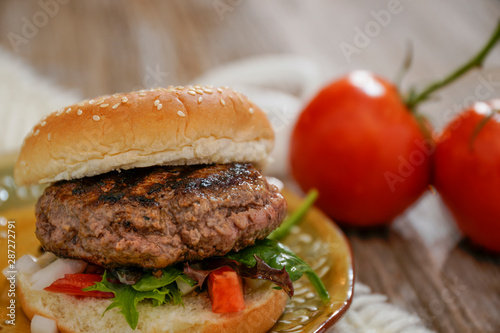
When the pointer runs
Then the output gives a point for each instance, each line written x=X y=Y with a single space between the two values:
x=370 y=313
x=25 y=98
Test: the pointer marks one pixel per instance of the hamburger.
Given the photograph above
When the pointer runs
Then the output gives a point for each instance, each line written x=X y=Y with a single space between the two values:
x=152 y=196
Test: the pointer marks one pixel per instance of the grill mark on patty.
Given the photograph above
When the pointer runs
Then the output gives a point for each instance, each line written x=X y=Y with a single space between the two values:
x=79 y=191
x=144 y=201
x=110 y=197
x=179 y=179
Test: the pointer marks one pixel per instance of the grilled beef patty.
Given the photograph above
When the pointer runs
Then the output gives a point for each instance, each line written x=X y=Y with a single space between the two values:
x=158 y=216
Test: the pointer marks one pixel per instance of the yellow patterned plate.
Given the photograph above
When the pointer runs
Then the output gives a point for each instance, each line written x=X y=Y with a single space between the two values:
x=317 y=240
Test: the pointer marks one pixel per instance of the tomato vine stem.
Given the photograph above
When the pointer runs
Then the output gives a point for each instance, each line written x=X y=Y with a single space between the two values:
x=414 y=99
x=408 y=60
x=480 y=126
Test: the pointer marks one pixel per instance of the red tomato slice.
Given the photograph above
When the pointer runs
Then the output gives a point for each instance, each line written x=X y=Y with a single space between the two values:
x=226 y=291
x=72 y=284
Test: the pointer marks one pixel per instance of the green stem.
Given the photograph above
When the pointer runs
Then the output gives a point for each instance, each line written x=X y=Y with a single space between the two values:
x=476 y=61
x=479 y=127
x=296 y=216
x=319 y=286
x=405 y=67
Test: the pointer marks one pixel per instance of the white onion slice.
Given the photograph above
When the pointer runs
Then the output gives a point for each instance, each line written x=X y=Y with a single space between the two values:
x=45 y=259
x=24 y=265
x=56 y=270
x=184 y=287
x=27 y=265
x=41 y=324
x=255 y=283
x=5 y=272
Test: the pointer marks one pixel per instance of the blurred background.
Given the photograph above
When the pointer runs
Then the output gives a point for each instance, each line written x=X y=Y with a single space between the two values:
x=102 y=47
x=91 y=48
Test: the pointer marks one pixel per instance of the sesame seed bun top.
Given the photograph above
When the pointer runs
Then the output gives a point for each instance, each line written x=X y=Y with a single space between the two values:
x=165 y=126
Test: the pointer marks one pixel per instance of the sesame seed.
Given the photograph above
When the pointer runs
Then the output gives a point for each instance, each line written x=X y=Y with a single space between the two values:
x=181 y=114
x=179 y=87
x=104 y=105
x=250 y=110
x=197 y=86
x=68 y=110
x=59 y=112
x=222 y=101
x=142 y=94
x=157 y=102
x=200 y=99
x=99 y=103
x=124 y=100
x=219 y=90
x=43 y=123
x=48 y=136
x=36 y=132
x=91 y=101
x=159 y=106
x=199 y=91
x=191 y=92
x=115 y=106
x=208 y=91
x=79 y=112
x=96 y=118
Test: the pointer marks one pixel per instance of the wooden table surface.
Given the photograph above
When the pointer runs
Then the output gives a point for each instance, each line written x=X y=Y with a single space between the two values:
x=100 y=47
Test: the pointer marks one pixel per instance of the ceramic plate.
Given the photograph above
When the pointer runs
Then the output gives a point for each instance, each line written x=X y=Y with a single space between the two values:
x=317 y=240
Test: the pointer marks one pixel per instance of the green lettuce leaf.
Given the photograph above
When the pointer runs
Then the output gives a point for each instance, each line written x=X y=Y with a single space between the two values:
x=278 y=256
x=150 y=282
x=171 y=292
x=126 y=298
x=175 y=293
x=160 y=291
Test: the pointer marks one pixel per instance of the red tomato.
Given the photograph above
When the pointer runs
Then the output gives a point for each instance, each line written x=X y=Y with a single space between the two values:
x=358 y=144
x=467 y=173
x=72 y=284
x=226 y=291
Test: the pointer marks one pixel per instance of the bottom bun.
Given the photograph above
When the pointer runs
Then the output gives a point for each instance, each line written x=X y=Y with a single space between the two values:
x=264 y=305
